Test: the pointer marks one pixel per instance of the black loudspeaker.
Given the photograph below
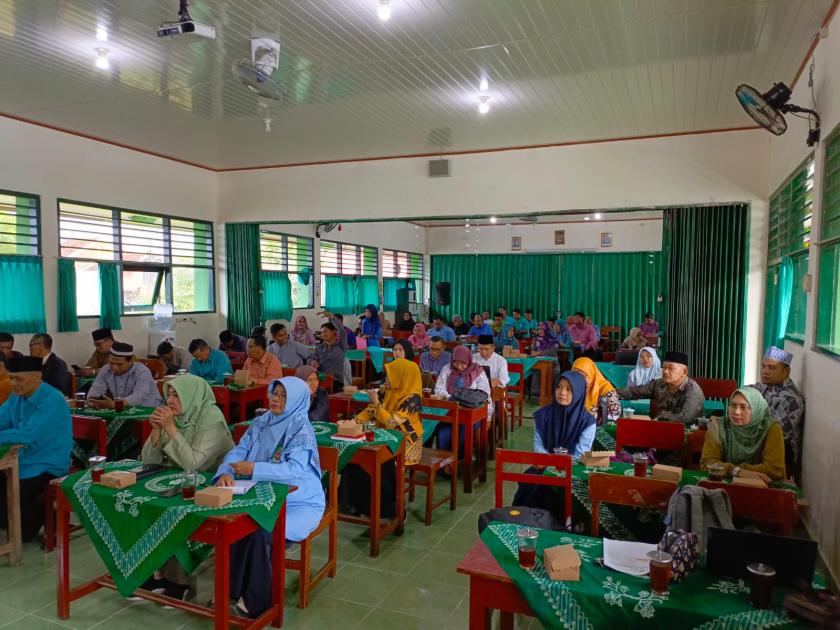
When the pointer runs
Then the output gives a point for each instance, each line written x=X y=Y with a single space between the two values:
x=443 y=293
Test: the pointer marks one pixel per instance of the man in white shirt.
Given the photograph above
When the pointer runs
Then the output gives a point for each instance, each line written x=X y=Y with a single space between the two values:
x=486 y=356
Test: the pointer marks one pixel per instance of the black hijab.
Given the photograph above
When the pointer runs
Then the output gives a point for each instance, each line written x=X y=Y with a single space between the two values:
x=561 y=425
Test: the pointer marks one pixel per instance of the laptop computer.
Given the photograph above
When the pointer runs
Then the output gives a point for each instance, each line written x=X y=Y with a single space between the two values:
x=729 y=551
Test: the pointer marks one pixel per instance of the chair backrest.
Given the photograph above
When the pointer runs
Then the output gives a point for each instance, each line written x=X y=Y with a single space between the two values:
x=329 y=464
x=156 y=367
x=721 y=388
x=608 y=357
x=694 y=442
x=237 y=359
x=74 y=384
x=563 y=463
x=611 y=331
x=401 y=334
x=450 y=418
x=93 y=429
x=238 y=430
x=289 y=371
x=451 y=345
x=517 y=368
x=649 y=434
x=652 y=340
x=327 y=382
x=526 y=343
x=338 y=406
x=622 y=490
x=771 y=506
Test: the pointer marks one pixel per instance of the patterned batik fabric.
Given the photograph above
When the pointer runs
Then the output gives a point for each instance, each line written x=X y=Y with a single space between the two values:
x=787 y=406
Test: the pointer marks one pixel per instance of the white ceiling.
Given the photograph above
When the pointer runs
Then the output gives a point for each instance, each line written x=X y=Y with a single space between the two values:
x=558 y=71
x=606 y=216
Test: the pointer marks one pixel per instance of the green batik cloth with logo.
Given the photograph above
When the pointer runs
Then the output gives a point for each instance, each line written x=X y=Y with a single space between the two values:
x=608 y=599
x=346 y=448
x=120 y=440
x=135 y=530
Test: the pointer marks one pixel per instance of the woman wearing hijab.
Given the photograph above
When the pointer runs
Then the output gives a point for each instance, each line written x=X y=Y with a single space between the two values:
x=544 y=340
x=602 y=401
x=565 y=423
x=407 y=322
x=371 y=326
x=420 y=338
x=302 y=333
x=635 y=340
x=319 y=400
x=403 y=350
x=507 y=337
x=399 y=410
x=747 y=441
x=648 y=368
x=461 y=373
x=279 y=447
x=191 y=433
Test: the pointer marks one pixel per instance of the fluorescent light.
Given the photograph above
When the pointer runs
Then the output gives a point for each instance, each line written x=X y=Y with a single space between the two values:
x=101 y=60
x=484 y=85
x=102 y=33
x=597 y=216
x=493 y=219
x=586 y=218
x=384 y=10
x=484 y=104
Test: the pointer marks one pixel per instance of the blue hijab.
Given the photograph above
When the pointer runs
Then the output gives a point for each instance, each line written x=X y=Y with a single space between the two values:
x=643 y=375
x=371 y=325
x=561 y=425
x=503 y=340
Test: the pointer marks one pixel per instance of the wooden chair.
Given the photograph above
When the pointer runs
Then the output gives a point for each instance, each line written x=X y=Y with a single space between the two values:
x=222 y=395
x=632 y=491
x=303 y=565
x=359 y=370
x=237 y=431
x=498 y=424
x=694 y=442
x=608 y=357
x=156 y=367
x=289 y=371
x=327 y=382
x=771 y=507
x=338 y=406
x=668 y=436
x=451 y=345
x=433 y=460
x=721 y=388
x=401 y=334
x=652 y=340
x=74 y=385
x=562 y=463
x=610 y=337
x=516 y=393
x=237 y=359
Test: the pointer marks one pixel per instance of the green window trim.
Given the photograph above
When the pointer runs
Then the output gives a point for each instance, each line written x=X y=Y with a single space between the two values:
x=20 y=224
x=293 y=255
x=828 y=280
x=797 y=316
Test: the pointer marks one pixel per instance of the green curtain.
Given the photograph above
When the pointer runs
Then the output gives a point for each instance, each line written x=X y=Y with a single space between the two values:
x=68 y=320
x=487 y=281
x=22 y=306
x=339 y=294
x=367 y=292
x=615 y=289
x=794 y=301
x=110 y=296
x=242 y=252
x=785 y=299
x=276 y=295
x=707 y=261
x=389 y=292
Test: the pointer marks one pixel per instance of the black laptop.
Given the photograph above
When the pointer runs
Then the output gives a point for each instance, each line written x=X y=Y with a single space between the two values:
x=729 y=551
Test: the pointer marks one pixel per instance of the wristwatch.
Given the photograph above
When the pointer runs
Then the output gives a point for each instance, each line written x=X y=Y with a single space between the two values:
x=736 y=471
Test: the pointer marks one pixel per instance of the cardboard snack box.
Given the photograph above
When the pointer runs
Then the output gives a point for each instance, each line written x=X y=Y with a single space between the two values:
x=214 y=496
x=118 y=479
x=596 y=459
x=349 y=428
x=666 y=473
x=749 y=481
x=562 y=563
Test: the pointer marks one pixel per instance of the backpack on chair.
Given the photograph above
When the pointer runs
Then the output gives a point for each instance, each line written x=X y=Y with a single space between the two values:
x=695 y=509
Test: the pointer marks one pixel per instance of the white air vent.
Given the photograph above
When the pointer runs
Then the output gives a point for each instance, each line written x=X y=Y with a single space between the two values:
x=439 y=168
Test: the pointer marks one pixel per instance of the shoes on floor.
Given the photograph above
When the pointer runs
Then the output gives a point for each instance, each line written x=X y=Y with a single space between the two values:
x=176 y=591
x=153 y=585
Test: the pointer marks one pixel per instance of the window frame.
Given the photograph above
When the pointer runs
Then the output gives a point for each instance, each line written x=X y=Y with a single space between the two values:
x=284 y=244
x=823 y=245
x=359 y=260
x=38 y=225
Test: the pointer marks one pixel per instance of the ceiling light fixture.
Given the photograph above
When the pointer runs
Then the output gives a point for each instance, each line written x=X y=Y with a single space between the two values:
x=102 y=33
x=597 y=216
x=483 y=104
x=484 y=85
x=384 y=10
x=101 y=61
x=586 y=218
x=493 y=219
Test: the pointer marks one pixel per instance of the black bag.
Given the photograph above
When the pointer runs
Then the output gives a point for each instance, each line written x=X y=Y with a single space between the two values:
x=531 y=517
x=472 y=398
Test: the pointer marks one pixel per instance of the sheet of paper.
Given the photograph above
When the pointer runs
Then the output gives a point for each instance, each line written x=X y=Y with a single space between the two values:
x=241 y=486
x=627 y=557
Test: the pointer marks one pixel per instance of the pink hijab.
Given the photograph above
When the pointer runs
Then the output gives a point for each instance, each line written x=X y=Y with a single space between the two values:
x=469 y=373
x=303 y=333
x=420 y=339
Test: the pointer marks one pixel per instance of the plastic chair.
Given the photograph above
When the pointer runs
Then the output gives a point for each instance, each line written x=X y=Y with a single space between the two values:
x=721 y=388
x=516 y=393
x=563 y=463
x=632 y=491
x=668 y=436
x=767 y=506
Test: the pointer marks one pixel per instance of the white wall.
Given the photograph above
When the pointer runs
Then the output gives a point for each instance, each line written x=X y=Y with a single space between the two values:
x=56 y=165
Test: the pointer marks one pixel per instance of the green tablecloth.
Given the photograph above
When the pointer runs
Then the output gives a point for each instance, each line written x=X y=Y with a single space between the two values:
x=135 y=530
x=377 y=357
x=4 y=448
x=642 y=407
x=354 y=355
x=615 y=374
x=325 y=430
x=83 y=382
x=429 y=426
x=528 y=364
x=120 y=441
x=608 y=599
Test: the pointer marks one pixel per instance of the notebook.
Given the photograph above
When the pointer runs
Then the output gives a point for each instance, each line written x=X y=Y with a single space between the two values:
x=241 y=486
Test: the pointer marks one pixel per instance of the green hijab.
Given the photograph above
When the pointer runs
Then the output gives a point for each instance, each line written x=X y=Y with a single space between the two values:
x=743 y=444
x=198 y=404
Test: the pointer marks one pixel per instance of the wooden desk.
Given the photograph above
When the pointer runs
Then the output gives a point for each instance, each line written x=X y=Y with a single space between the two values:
x=220 y=531
x=344 y=404
x=226 y=396
x=13 y=545
x=545 y=368
x=467 y=417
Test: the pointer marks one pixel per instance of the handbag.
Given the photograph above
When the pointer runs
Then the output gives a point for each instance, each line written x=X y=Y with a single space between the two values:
x=684 y=549
x=472 y=398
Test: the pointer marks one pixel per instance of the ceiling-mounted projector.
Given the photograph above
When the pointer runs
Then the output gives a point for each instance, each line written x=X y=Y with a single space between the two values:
x=185 y=25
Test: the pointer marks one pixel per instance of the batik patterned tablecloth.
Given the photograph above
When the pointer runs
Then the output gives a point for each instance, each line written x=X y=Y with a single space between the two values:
x=120 y=441
x=346 y=448
x=135 y=530
x=607 y=599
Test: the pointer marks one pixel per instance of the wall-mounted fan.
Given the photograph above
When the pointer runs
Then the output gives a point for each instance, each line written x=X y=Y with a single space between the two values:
x=255 y=73
x=768 y=109
x=324 y=227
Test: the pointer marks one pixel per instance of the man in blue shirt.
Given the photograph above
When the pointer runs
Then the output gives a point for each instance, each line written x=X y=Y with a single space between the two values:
x=434 y=360
x=37 y=417
x=507 y=320
x=529 y=323
x=442 y=330
x=479 y=327
x=208 y=363
x=126 y=379
x=228 y=342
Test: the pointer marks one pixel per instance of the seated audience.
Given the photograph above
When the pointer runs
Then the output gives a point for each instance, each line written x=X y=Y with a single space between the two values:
x=498 y=323
x=262 y=366
x=420 y=338
x=648 y=368
x=351 y=336
x=601 y=398
x=5 y=380
x=175 y=358
x=289 y=352
x=787 y=405
x=434 y=360
x=479 y=327
x=329 y=354
x=460 y=326
x=560 y=332
x=461 y=373
x=190 y=433
x=102 y=340
x=257 y=330
x=228 y=342
x=649 y=326
x=406 y=322
x=54 y=370
x=37 y=417
x=518 y=321
x=403 y=349
x=319 y=399
x=584 y=337
x=123 y=378
x=747 y=441
x=487 y=356
x=371 y=326
x=675 y=395
x=507 y=337
x=506 y=319
x=387 y=329
x=635 y=340
x=485 y=316
x=302 y=333
x=208 y=363
x=440 y=329
x=529 y=324
x=279 y=447
x=7 y=344
x=597 y=329
x=545 y=340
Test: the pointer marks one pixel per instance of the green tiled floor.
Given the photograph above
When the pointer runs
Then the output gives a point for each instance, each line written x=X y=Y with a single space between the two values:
x=412 y=584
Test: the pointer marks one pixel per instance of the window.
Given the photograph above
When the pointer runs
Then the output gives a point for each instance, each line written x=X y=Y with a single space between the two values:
x=19 y=224
x=397 y=264
x=828 y=296
x=163 y=259
x=343 y=259
x=799 y=300
x=292 y=254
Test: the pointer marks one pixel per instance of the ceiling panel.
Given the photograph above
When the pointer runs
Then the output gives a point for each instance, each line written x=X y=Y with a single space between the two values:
x=355 y=87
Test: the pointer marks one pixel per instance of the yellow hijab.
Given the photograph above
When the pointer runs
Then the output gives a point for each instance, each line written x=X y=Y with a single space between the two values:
x=597 y=384
x=404 y=381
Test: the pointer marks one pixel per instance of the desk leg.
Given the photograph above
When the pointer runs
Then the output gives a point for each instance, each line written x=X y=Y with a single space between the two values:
x=243 y=409
x=483 y=450
x=278 y=570
x=545 y=384
x=62 y=555
x=222 y=598
x=479 y=614
x=399 y=461
x=13 y=511
x=375 y=505
x=469 y=432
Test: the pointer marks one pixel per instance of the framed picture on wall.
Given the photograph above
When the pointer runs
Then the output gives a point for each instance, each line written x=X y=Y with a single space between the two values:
x=559 y=237
x=606 y=239
x=516 y=243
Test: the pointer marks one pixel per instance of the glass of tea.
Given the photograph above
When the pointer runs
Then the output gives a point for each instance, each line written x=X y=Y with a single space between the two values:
x=188 y=485
x=80 y=400
x=119 y=405
x=716 y=471
x=660 y=571
x=761 y=584
x=640 y=461
x=527 y=547
x=97 y=467
x=228 y=378
x=370 y=431
x=559 y=450
x=629 y=412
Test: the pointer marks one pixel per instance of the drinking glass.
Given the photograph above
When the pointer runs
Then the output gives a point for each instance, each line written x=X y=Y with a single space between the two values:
x=527 y=547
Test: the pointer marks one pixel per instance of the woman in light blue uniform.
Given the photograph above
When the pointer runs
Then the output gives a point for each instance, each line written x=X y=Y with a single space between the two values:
x=280 y=447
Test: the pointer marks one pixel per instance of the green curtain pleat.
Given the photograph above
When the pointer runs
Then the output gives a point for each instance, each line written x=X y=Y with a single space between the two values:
x=487 y=281
x=339 y=294
x=276 y=295
x=389 y=292
x=367 y=292
x=785 y=299
x=707 y=260
x=22 y=306
x=68 y=320
x=771 y=307
x=110 y=296
x=242 y=253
